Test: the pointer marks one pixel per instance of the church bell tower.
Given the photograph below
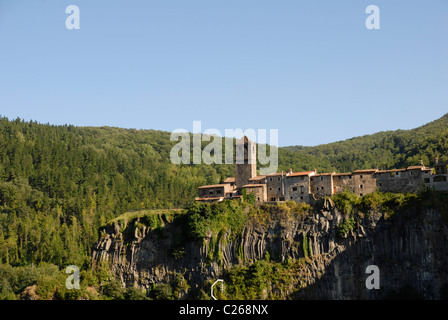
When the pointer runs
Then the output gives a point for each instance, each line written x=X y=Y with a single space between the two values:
x=245 y=162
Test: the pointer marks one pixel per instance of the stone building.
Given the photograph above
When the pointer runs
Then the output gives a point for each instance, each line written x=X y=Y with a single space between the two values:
x=275 y=186
x=309 y=185
x=342 y=181
x=364 y=181
x=297 y=186
x=259 y=190
x=321 y=185
x=439 y=180
x=245 y=162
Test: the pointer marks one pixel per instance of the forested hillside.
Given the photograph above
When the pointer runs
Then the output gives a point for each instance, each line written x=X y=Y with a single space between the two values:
x=383 y=150
x=59 y=184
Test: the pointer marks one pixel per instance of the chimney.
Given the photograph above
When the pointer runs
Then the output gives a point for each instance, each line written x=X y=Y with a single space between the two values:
x=289 y=171
x=436 y=160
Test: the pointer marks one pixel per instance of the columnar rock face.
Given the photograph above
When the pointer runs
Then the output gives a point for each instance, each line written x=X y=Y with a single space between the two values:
x=409 y=249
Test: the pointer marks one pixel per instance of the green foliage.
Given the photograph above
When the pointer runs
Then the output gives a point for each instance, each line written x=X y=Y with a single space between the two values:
x=346 y=226
x=305 y=246
x=384 y=150
x=204 y=217
x=162 y=291
x=345 y=201
x=114 y=290
x=250 y=198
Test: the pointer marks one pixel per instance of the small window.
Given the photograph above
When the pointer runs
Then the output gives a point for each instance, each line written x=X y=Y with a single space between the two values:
x=278 y=179
x=360 y=194
x=322 y=188
x=311 y=179
x=270 y=189
x=380 y=184
x=218 y=191
x=290 y=198
x=349 y=177
x=426 y=180
x=279 y=189
x=360 y=186
x=272 y=199
x=360 y=176
x=321 y=178
x=211 y=191
x=270 y=179
x=294 y=188
x=301 y=198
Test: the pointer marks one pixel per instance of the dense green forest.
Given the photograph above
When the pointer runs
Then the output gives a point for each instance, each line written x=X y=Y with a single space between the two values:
x=59 y=184
x=383 y=150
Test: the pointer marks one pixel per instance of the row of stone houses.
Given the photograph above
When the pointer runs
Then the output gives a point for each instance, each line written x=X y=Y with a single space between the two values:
x=308 y=186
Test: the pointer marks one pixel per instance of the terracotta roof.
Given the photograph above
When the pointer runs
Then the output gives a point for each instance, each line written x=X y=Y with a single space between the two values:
x=297 y=174
x=391 y=170
x=229 y=180
x=276 y=174
x=324 y=174
x=415 y=168
x=365 y=171
x=343 y=174
x=212 y=186
x=210 y=199
x=253 y=185
x=257 y=178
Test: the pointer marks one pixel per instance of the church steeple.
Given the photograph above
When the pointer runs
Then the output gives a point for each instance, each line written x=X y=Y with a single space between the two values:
x=245 y=162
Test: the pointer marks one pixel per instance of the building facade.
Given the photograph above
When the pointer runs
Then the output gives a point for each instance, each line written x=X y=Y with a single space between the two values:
x=308 y=186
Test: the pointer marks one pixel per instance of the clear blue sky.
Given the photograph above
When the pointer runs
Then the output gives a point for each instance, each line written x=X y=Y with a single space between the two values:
x=310 y=69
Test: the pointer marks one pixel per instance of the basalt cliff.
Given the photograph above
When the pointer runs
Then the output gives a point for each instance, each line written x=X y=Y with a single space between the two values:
x=325 y=260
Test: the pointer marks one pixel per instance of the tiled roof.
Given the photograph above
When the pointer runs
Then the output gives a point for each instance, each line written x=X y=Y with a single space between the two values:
x=324 y=174
x=276 y=174
x=212 y=186
x=415 y=168
x=364 y=171
x=253 y=185
x=391 y=170
x=297 y=174
x=343 y=174
x=257 y=178
x=229 y=180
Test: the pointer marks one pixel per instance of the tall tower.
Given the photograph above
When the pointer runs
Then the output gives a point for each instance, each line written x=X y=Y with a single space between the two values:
x=245 y=162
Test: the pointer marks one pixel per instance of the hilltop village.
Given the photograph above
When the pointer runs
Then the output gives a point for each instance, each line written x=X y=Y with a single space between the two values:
x=309 y=186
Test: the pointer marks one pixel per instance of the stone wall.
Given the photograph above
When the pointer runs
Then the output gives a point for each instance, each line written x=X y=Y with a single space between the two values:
x=321 y=185
x=297 y=188
x=275 y=187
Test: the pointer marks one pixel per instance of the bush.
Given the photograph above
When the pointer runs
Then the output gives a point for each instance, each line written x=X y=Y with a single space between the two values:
x=162 y=291
x=348 y=225
x=114 y=290
x=345 y=201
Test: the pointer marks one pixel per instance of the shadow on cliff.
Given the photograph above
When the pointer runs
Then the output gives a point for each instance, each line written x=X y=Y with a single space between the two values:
x=410 y=251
